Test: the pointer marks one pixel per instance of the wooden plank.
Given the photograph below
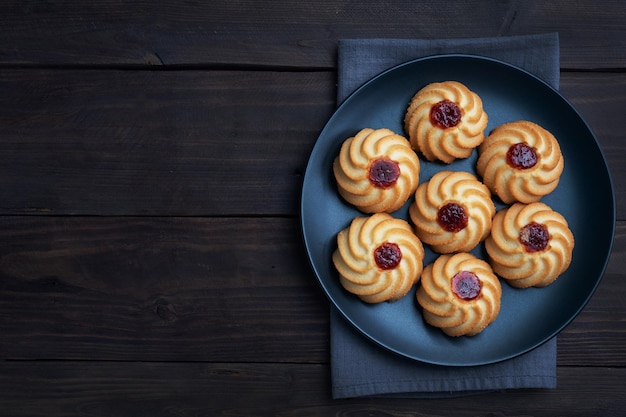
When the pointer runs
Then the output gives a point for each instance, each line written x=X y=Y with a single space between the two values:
x=165 y=389
x=178 y=142
x=202 y=289
x=158 y=143
x=589 y=331
x=589 y=339
x=158 y=289
x=286 y=33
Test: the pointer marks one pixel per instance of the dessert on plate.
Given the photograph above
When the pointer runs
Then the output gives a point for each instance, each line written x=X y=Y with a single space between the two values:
x=460 y=294
x=376 y=170
x=378 y=258
x=445 y=121
x=452 y=212
x=520 y=162
x=530 y=245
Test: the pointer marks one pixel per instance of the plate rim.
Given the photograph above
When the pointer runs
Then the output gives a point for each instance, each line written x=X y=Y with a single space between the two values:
x=535 y=78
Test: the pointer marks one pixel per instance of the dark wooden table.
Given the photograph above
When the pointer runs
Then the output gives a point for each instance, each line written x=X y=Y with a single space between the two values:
x=152 y=155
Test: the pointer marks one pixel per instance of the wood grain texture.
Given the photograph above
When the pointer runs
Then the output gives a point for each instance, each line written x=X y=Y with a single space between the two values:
x=158 y=289
x=287 y=34
x=111 y=142
x=151 y=261
x=202 y=289
x=158 y=143
x=164 y=389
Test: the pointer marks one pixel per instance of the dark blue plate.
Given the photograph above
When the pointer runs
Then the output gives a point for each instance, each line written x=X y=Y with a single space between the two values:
x=584 y=196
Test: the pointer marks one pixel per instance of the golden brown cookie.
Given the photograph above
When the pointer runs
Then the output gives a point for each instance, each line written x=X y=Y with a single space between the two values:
x=530 y=245
x=376 y=170
x=460 y=294
x=452 y=212
x=378 y=258
x=445 y=121
x=520 y=162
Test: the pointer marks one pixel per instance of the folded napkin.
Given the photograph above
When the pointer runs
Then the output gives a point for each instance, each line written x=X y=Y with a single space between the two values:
x=358 y=366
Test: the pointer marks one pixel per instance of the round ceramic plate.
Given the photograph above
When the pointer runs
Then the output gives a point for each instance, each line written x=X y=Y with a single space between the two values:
x=528 y=317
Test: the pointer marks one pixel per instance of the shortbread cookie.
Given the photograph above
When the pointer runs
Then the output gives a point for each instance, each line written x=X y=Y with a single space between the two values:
x=452 y=212
x=378 y=258
x=376 y=170
x=445 y=121
x=530 y=245
x=460 y=294
x=520 y=162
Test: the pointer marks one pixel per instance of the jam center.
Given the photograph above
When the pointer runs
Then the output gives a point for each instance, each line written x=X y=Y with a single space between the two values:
x=466 y=285
x=445 y=114
x=388 y=255
x=452 y=217
x=534 y=237
x=384 y=173
x=521 y=156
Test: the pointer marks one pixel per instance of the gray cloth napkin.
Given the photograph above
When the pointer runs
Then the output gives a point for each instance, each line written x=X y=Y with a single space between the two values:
x=358 y=366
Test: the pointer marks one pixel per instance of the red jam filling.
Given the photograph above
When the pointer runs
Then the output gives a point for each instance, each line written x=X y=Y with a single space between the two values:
x=534 y=237
x=445 y=114
x=466 y=285
x=388 y=255
x=521 y=156
x=384 y=173
x=452 y=217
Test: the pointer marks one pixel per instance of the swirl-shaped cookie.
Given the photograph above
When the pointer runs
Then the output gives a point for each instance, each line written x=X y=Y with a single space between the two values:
x=378 y=258
x=530 y=245
x=376 y=170
x=445 y=121
x=520 y=162
x=452 y=212
x=460 y=294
